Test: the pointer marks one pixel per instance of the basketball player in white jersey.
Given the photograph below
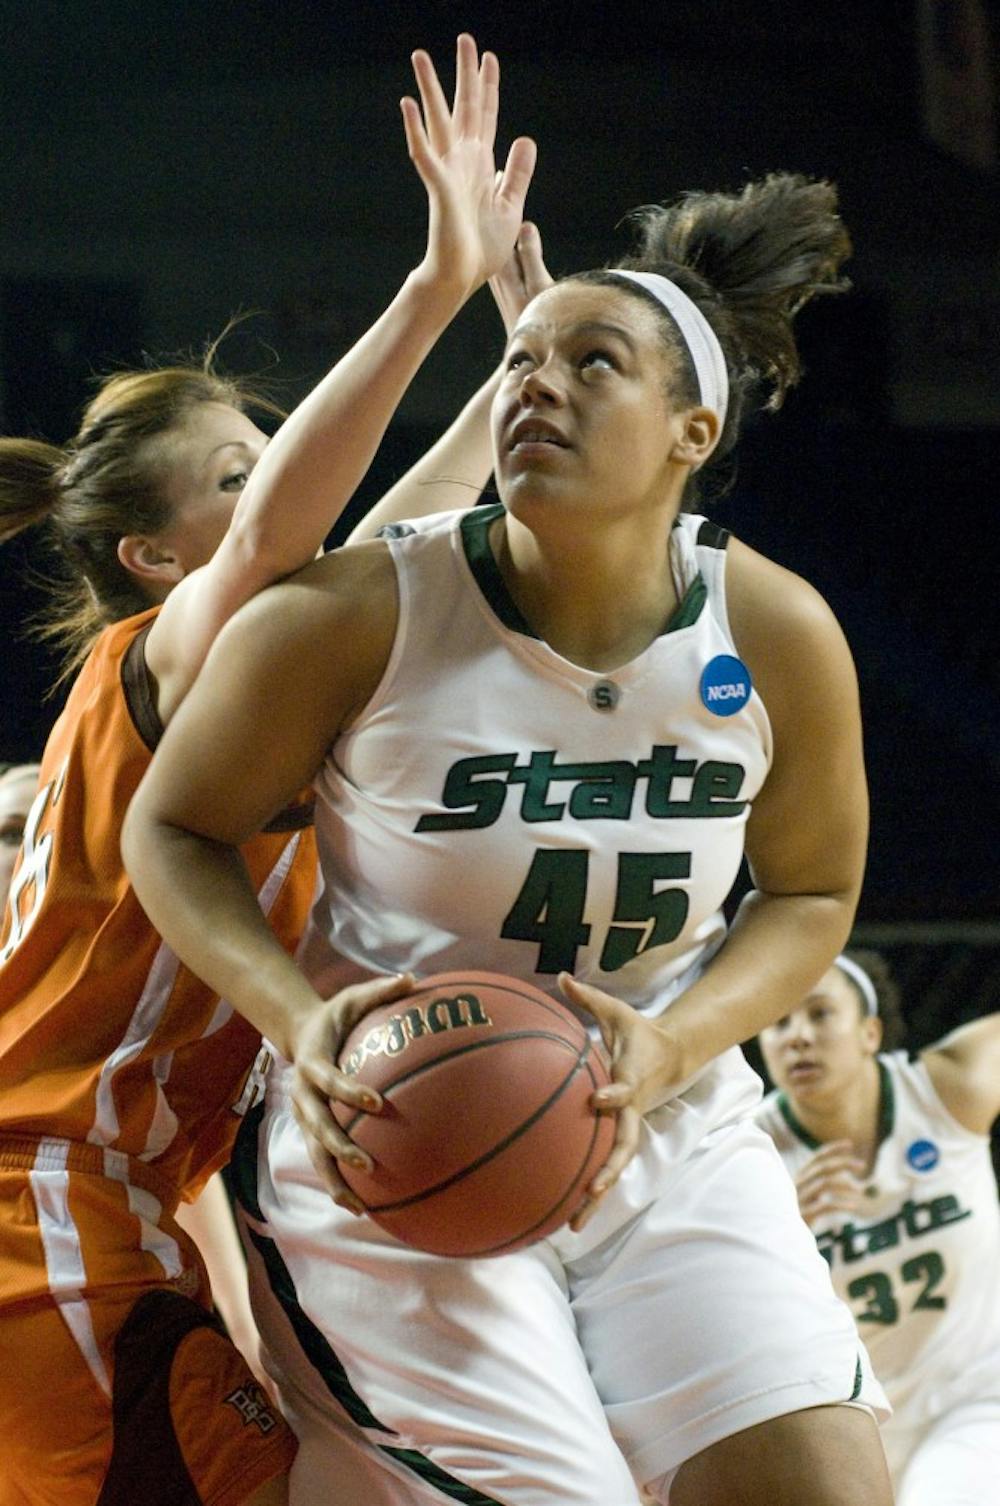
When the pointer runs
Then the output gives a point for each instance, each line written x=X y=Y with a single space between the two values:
x=891 y=1157
x=541 y=738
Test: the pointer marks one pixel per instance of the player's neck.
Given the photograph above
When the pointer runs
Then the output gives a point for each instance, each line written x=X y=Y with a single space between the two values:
x=850 y=1114
x=600 y=603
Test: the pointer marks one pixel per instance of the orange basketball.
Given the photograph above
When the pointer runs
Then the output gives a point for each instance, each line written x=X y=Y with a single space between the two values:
x=487 y=1140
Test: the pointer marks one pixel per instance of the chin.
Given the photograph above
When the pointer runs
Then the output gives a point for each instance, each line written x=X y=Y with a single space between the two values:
x=528 y=504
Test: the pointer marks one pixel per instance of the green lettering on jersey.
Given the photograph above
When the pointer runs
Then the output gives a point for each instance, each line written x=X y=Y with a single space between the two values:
x=552 y=902
x=590 y=791
x=475 y=801
x=881 y=1301
x=853 y=1242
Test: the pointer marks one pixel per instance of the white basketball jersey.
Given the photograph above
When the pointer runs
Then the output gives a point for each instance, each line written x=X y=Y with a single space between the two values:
x=496 y=806
x=920 y=1267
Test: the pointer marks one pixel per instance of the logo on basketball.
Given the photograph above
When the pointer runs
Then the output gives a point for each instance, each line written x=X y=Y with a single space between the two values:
x=487 y=1138
x=457 y=1012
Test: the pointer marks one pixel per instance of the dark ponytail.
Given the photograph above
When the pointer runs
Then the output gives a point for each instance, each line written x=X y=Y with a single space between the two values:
x=749 y=260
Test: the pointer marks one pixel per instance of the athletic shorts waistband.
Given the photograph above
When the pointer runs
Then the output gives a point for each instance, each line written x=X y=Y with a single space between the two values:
x=51 y=1153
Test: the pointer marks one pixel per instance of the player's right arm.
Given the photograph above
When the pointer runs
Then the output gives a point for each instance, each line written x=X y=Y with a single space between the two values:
x=805 y=844
x=284 y=677
x=311 y=469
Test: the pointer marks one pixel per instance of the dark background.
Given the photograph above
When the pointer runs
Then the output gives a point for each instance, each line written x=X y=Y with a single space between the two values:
x=167 y=163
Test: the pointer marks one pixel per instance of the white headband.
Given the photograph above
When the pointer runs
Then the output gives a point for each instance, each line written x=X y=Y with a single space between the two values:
x=861 y=981
x=697 y=334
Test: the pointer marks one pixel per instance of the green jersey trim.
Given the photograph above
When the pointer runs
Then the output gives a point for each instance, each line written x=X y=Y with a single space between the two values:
x=886 y=1111
x=476 y=543
x=314 y=1344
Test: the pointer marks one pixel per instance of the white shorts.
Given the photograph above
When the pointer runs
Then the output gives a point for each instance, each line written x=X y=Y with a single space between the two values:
x=694 y=1305
x=953 y=1460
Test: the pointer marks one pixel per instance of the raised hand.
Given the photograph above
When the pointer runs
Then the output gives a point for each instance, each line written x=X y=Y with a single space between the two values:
x=522 y=277
x=475 y=212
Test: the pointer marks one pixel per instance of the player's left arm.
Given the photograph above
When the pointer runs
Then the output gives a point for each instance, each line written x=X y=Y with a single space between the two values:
x=965 y=1069
x=806 y=843
x=451 y=474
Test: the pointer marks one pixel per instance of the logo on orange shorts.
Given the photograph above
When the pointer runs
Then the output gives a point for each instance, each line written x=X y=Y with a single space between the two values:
x=253 y=1405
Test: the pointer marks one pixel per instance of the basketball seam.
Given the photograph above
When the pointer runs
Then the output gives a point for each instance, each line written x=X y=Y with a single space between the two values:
x=517 y=1239
x=463 y=1050
x=494 y=1151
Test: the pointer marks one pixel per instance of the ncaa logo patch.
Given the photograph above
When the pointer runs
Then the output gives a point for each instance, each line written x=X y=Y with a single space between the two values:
x=725 y=685
x=923 y=1155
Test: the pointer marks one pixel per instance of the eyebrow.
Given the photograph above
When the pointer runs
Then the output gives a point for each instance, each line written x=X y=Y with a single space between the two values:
x=586 y=327
x=229 y=444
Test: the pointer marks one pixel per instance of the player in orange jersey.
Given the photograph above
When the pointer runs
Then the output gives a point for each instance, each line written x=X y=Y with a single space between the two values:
x=18 y=782
x=122 y=1077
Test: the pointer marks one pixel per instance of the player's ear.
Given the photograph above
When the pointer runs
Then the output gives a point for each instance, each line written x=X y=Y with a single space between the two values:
x=872 y=1032
x=698 y=438
x=156 y=567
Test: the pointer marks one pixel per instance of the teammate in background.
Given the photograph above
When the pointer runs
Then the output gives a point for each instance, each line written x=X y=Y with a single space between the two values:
x=18 y=783
x=122 y=1077
x=540 y=737
x=891 y=1158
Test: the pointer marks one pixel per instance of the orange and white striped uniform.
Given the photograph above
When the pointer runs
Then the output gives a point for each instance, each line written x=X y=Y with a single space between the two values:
x=123 y=1080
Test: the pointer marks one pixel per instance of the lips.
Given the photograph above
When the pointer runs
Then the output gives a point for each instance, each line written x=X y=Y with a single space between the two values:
x=802 y=1070
x=535 y=431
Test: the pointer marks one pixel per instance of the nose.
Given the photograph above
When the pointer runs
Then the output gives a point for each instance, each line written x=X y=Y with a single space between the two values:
x=540 y=387
x=800 y=1030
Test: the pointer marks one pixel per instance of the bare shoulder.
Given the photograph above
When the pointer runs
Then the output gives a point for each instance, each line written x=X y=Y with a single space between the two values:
x=333 y=622
x=784 y=629
x=200 y=609
x=352 y=589
x=964 y=1067
x=808 y=828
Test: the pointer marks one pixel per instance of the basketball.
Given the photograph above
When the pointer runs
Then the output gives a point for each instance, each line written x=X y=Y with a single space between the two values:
x=487 y=1140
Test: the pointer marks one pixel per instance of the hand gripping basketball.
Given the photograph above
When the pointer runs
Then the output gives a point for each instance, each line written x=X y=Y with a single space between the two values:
x=487 y=1139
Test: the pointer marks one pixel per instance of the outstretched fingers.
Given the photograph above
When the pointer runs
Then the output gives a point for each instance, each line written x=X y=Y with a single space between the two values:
x=626 y=1143
x=436 y=115
x=318 y=1084
x=489 y=92
x=535 y=275
x=515 y=179
x=467 y=111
